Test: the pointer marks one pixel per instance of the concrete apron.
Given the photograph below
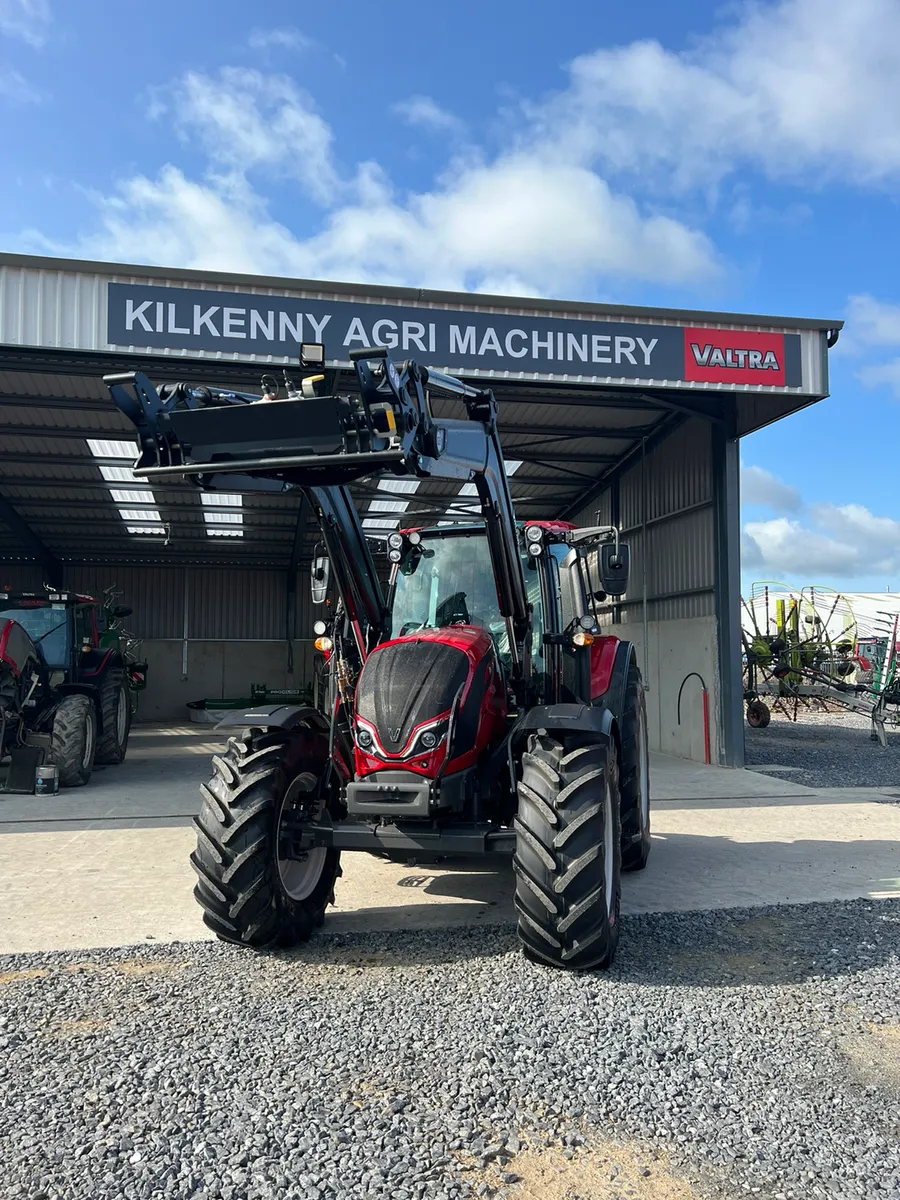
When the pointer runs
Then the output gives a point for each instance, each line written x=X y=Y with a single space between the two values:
x=108 y=865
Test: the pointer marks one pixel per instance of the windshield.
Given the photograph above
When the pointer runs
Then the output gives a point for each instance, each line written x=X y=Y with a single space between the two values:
x=448 y=580
x=46 y=624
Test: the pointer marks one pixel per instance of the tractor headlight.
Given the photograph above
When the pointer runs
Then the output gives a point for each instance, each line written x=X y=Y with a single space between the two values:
x=395 y=541
x=429 y=740
x=534 y=533
x=535 y=549
x=364 y=739
x=394 y=555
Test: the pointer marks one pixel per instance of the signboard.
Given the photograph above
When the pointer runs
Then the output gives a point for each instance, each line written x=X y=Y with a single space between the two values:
x=244 y=323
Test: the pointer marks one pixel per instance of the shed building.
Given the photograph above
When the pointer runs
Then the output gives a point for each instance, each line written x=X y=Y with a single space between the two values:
x=627 y=415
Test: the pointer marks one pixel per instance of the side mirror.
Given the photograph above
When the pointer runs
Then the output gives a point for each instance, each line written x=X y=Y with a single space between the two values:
x=120 y=611
x=319 y=576
x=615 y=562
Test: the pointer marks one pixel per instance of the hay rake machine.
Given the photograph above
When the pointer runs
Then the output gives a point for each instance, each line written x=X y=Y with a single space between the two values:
x=806 y=650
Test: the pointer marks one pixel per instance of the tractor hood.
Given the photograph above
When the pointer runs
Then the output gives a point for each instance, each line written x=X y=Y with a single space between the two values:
x=17 y=649
x=409 y=686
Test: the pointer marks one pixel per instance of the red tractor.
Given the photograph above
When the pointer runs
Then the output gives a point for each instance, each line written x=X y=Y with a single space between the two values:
x=474 y=706
x=65 y=684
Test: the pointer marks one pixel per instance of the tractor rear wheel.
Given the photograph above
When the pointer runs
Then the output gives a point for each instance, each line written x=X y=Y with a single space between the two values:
x=758 y=714
x=115 y=710
x=251 y=892
x=73 y=740
x=568 y=851
x=634 y=775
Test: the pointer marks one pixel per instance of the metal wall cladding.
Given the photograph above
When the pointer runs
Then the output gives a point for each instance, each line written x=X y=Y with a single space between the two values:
x=222 y=604
x=52 y=308
x=236 y=604
x=675 y=475
x=672 y=492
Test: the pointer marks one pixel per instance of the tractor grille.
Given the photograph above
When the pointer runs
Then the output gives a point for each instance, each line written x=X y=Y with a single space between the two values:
x=406 y=684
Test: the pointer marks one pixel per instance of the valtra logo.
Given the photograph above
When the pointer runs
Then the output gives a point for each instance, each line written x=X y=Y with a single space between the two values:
x=733 y=356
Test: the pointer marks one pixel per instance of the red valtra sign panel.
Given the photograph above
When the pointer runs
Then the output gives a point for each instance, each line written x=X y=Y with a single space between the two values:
x=733 y=356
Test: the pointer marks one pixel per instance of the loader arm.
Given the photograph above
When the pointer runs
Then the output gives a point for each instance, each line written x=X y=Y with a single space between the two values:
x=232 y=441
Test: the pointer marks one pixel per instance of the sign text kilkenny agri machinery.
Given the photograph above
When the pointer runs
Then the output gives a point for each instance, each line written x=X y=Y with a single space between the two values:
x=458 y=339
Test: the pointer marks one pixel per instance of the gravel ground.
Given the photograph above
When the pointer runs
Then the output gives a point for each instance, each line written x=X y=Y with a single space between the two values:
x=731 y=1053
x=831 y=750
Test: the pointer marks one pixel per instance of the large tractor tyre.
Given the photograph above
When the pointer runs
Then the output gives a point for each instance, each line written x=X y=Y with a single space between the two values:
x=568 y=852
x=115 y=710
x=249 y=893
x=634 y=775
x=73 y=740
x=758 y=714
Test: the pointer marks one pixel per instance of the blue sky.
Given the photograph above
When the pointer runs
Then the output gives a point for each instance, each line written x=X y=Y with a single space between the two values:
x=744 y=157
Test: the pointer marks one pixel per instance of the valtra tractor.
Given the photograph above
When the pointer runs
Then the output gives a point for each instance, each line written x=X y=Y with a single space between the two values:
x=65 y=683
x=474 y=706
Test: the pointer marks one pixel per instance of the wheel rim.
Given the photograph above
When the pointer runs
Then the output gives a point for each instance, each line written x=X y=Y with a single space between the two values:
x=608 y=848
x=299 y=876
x=644 y=769
x=121 y=717
x=88 y=755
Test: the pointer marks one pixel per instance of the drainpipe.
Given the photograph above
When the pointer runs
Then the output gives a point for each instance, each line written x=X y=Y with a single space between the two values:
x=705 y=694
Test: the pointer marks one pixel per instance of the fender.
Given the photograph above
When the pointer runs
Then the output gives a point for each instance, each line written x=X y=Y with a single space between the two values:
x=70 y=689
x=565 y=718
x=274 y=716
x=614 y=696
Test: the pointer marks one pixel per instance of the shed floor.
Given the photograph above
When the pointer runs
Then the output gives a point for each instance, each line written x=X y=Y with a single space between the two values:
x=108 y=864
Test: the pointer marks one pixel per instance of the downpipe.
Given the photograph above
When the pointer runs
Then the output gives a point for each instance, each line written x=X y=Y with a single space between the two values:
x=705 y=696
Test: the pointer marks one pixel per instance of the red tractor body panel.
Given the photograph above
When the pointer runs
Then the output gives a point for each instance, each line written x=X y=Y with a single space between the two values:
x=407 y=691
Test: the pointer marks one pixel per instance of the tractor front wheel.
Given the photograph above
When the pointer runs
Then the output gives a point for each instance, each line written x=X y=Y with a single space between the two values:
x=252 y=890
x=115 y=708
x=568 y=851
x=73 y=740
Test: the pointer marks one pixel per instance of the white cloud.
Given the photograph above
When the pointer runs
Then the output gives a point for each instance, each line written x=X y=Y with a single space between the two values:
x=526 y=221
x=797 y=88
x=813 y=543
x=286 y=38
x=873 y=323
x=830 y=542
x=16 y=88
x=759 y=487
x=882 y=375
x=423 y=112
x=246 y=120
x=25 y=19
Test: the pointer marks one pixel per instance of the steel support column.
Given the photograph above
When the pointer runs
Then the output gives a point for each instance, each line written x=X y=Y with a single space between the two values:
x=726 y=511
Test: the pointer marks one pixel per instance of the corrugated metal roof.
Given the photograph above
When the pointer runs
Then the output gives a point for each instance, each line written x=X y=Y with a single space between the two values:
x=55 y=483
x=77 y=276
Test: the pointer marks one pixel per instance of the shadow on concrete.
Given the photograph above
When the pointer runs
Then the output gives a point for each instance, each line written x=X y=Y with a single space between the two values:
x=823 y=797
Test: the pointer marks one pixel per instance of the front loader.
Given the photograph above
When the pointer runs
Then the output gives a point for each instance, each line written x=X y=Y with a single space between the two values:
x=473 y=705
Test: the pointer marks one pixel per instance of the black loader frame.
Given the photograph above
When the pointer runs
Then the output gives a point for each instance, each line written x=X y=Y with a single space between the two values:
x=549 y=765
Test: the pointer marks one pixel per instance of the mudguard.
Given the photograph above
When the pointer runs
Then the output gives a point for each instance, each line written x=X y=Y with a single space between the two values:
x=564 y=718
x=273 y=716
x=614 y=697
